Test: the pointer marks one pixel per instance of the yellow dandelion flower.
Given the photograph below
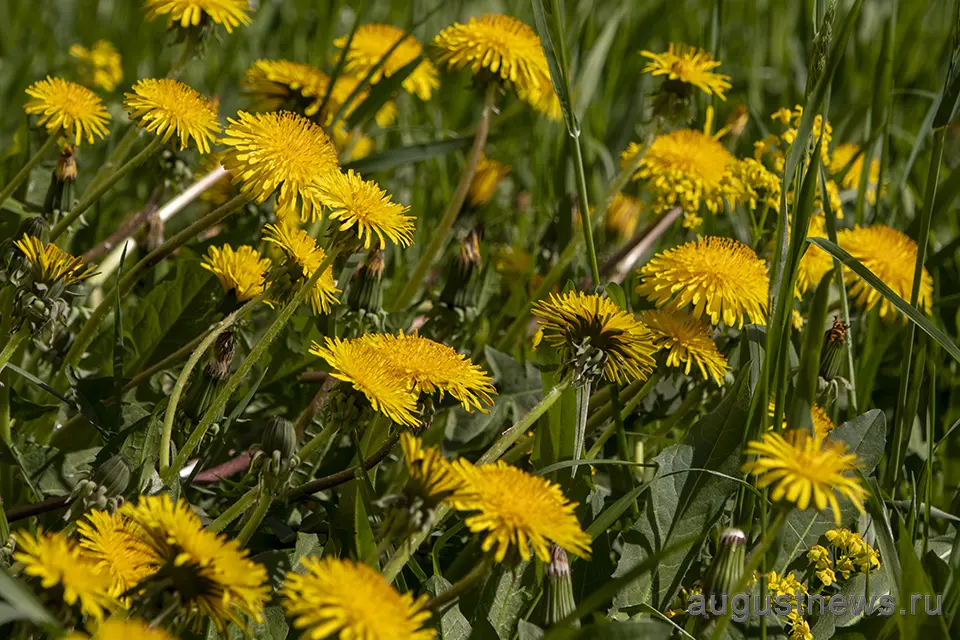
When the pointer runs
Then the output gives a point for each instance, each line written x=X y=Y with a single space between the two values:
x=243 y=271
x=689 y=65
x=353 y=361
x=486 y=180
x=371 y=42
x=577 y=318
x=815 y=262
x=688 y=342
x=503 y=47
x=68 y=106
x=890 y=255
x=622 y=215
x=430 y=367
x=822 y=424
x=100 y=64
x=428 y=468
x=806 y=470
x=346 y=599
x=685 y=168
x=302 y=250
x=52 y=264
x=355 y=202
x=191 y=13
x=721 y=277
x=118 y=548
x=166 y=107
x=842 y=156
x=213 y=576
x=58 y=565
x=517 y=510
x=270 y=151
x=116 y=629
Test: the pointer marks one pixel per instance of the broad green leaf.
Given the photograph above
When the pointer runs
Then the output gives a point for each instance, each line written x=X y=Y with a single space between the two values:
x=411 y=154
x=917 y=623
x=527 y=631
x=273 y=627
x=453 y=624
x=505 y=596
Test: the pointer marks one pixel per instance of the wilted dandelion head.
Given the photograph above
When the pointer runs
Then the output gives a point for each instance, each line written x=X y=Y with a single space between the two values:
x=517 y=511
x=118 y=547
x=386 y=389
x=100 y=64
x=346 y=599
x=721 y=277
x=167 y=107
x=687 y=342
x=575 y=321
x=891 y=255
x=805 y=470
x=52 y=264
x=213 y=576
x=68 y=106
x=622 y=215
x=371 y=42
x=688 y=65
x=302 y=252
x=193 y=13
x=271 y=151
x=363 y=206
x=243 y=271
x=487 y=178
x=843 y=154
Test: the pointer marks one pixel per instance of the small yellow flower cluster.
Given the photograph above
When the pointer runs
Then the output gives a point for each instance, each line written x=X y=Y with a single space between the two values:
x=851 y=554
x=100 y=65
x=788 y=586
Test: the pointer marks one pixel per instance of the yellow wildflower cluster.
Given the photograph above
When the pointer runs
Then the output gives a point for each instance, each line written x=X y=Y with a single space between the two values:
x=850 y=554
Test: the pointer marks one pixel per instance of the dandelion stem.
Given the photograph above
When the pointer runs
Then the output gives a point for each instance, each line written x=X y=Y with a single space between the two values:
x=461 y=586
x=440 y=235
x=508 y=437
x=264 y=500
x=90 y=199
x=348 y=474
x=233 y=511
x=27 y=168
x=584 y=208
x=11 y=347
x=171 y=411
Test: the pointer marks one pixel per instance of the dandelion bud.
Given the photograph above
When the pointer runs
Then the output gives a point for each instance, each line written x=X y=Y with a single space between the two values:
x=366 y=290
x=280 y=436
x=560 y=602
x=113 y=475
x=223 y=350
x=463 y=281
x=66 y=169
x=726 y=571
x=36 y=227
x=831 y=354
x=60 y=192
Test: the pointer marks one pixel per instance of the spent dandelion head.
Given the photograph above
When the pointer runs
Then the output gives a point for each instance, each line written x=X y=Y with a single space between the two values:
x=591 y=326
x=487 y=178
x=118 y=548
x=167 y=107
x=688 y=66
x=213 y=577
x=721 y=277
x=687 y=342
x=371 y=42
x=891 y=255
x=622 y=215
x=195 y=13
x=849 y=157
x=271 y=151
x=69 y=107
x=361 y=205
x=243 y=271
x=303 y=258
x=346 y=599
x=805 y=470
x=517 y=511
x=354 y=362
x=100 y=65
x=51 y=264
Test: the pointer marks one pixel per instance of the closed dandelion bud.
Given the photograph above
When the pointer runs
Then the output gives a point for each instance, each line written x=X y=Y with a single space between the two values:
x=344 y=406
x=113 y=475
x=726 y=571
x=832 y=351
x=66 y=169
x=36 y=227
x=463 y=278
x=223 y=350
x=366 y=290
x=204 y=389
x=280 y=436
x=60 y=192
x=560 y=602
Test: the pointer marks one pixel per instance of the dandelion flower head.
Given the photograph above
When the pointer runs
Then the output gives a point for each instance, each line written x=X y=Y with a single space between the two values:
x=487 y=178
x=370 y=44
x=192 y=13
x=118 y=548
x=243 y=271
x=68 y=106
x=688 y=65
x=434 y=474
x=117 y=629
x=302 y=250
x=687 y=342
x=622 y=215
x=843 y=154
x=167 y=107
x=362 y=205
x=100 y=64
x=52 y=264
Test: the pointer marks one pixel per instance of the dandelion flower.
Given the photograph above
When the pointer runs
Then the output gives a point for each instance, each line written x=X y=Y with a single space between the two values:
x=822 y=424
x=370 y=44
x=689 y=65
x=517 y=510
x=806 y=470
x=842 y=156
x=572 y=320
x=346 y=599
x=430 y=367
x=622 y=215
x=688 y=342
x=270 y=151
x=355 y=202
x=190 y=13
x=214 y=577
x=115 y=629
x=68 y=106
x=101 y=64
x=52 y=264
x=243 y=271
x=118 y=548
x=57 y=563
x=487 y=178
x=891 y=256
x=302 y=250
x=428 y=468
x=168 y=107
x=815 y=262
x=354 y=361
x=721 y=277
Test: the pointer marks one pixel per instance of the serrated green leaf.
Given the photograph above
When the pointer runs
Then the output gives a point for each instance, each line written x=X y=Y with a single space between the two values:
x=453 y=624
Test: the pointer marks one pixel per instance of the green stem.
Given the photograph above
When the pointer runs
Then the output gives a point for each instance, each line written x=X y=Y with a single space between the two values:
x=348 y=474
x=584 y=207
x=264 y=500
x=511 y=435
x=318 y=440
x=580 y=432
x=171 y=412
x=11 y=347
x=117 y=157
x=461 y=586
x=234 y=381
x=632 y=403
x=90 y=199
x=27 y=168
x=440 y=235
x=233 y=511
